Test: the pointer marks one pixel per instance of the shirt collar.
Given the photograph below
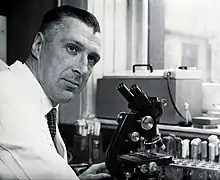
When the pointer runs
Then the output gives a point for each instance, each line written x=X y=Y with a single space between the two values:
x=43 y=102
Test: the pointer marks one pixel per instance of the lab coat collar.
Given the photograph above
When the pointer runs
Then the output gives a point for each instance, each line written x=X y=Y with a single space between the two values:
x=43 y=102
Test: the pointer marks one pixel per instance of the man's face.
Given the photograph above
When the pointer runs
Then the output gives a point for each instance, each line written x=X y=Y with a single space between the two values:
x=67 y=61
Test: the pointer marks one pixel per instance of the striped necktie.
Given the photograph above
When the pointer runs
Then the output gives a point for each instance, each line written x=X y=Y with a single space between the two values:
x=51 y=121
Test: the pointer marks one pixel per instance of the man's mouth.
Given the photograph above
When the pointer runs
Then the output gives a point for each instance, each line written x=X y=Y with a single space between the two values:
x=75 y=83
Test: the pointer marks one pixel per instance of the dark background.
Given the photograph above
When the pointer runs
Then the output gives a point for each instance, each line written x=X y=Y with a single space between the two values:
x=23 y=20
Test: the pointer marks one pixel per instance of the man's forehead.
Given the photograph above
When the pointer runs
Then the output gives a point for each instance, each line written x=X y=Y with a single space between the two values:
x=78 y=30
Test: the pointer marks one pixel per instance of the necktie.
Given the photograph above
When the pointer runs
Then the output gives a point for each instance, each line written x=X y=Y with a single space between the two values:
x=51 y=121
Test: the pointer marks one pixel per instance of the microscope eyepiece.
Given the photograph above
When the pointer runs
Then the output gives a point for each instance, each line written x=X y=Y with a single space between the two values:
x=136 y=90
x=126 y=93
x=140 y=96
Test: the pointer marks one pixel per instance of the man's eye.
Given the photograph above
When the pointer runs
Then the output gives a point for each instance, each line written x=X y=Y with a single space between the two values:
x=72 y=49
x=92 y=59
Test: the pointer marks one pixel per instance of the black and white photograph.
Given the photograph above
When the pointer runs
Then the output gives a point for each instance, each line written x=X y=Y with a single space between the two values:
x=110 y=90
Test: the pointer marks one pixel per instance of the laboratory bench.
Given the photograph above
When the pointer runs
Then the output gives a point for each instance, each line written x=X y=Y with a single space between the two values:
x=173 y=171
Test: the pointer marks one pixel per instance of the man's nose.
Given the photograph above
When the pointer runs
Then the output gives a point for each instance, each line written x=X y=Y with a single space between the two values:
x=84 y=69
x=83 y=66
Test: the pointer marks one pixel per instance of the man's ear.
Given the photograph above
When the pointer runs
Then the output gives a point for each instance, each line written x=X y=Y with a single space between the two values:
x=37 y=45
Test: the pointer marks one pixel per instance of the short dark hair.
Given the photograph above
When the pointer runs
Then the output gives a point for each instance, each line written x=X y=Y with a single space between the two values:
x=56 y=16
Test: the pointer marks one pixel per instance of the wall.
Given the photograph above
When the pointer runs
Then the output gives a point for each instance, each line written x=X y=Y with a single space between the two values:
x=186 y=22
x=197 y=17
x=77 y=3
x=170 y=26
x=156 y=33
x=23 y=20
x=215 y=60
x=174 y=52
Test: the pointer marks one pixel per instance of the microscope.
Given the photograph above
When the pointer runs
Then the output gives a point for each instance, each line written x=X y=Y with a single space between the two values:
x=131 y=153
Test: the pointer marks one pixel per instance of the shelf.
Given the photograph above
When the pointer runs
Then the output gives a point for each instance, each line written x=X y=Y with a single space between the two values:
x=189 y=132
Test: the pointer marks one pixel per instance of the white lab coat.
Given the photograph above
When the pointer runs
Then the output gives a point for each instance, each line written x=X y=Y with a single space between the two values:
x=26 y=148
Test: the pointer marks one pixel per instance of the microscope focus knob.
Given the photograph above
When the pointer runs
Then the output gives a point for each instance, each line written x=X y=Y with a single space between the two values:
x=135 y=136
x=152 y=166
x=144 y=168
x=147 y=123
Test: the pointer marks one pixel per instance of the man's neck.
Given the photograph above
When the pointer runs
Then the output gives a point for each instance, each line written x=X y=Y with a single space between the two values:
x=32 y=65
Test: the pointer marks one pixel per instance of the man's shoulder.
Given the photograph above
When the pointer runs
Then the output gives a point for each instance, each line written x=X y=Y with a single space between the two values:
x=6 y=77
x=3 y=65
x=10 y=85
x=14 y=96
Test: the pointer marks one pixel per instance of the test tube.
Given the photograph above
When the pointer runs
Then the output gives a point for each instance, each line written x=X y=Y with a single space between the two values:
x=216 y=153
x=166 y=142
x=173 y=145
x=187 y=148
x=204 y=153
x=178 y=149
x=199 y=148
x=212 y=138
x=211 y=154
x=194 y=151
x=216 y=150
x=219 y=156
x=185 y=151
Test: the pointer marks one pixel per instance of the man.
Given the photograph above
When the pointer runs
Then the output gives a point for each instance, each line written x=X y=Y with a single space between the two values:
x=63 y=54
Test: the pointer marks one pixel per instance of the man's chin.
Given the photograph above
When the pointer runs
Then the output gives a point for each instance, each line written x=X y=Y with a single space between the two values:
x=67 y=96
x=64 y=101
